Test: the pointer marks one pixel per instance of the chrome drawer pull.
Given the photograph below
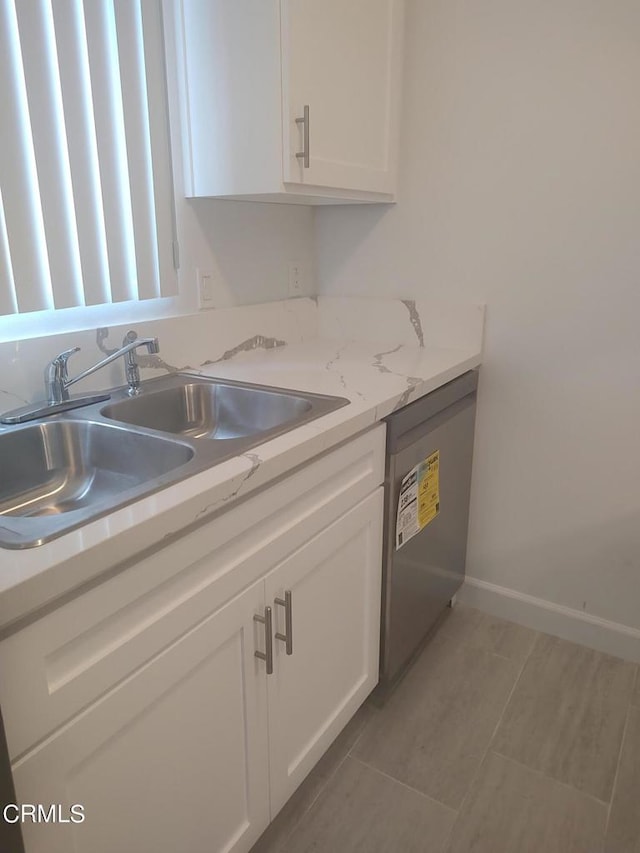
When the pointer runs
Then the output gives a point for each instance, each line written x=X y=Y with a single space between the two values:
x=266 y=620
x=304 y=154
x=287 y=637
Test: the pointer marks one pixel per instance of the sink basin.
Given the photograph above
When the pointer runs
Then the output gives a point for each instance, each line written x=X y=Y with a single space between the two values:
x=76 y=468
x=65 y=470
x=200 y=409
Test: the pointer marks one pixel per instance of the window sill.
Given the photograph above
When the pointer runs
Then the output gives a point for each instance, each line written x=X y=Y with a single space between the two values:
x=40 y=324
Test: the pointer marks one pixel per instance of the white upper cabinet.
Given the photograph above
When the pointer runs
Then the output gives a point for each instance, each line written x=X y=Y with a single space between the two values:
x=338 y=58
x=290 y=100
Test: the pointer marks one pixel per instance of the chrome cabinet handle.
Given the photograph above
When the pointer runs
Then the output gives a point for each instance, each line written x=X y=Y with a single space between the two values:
x=287 y=637
x=267 y=655
x=304 y=121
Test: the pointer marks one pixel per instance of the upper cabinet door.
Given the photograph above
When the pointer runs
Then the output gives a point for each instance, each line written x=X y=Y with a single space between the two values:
x=341 y=58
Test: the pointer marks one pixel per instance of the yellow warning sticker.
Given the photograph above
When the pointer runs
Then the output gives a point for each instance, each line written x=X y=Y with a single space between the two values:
x=429 y=489
x=419 y=500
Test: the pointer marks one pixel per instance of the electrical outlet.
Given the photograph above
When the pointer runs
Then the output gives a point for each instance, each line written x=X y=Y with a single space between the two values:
x=205 y=289
x=295 y=279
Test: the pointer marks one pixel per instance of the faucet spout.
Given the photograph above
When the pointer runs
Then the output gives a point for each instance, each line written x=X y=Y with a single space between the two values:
x=130 y=343
x=57 y=381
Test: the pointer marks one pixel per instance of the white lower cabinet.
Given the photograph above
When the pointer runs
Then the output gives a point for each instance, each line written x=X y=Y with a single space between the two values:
x=143 y=700
x=334 y=582
x=174 y=759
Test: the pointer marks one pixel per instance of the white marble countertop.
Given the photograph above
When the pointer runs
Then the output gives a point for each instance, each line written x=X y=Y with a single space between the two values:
x=376 y=378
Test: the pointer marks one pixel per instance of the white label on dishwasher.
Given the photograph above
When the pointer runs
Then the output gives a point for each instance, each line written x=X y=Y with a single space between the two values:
x=419 y=500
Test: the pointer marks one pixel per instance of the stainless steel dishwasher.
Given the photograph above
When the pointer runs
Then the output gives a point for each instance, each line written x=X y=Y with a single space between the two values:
x=427 y=486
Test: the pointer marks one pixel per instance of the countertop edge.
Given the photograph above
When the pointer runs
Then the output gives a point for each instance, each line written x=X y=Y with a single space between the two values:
x=32 y=584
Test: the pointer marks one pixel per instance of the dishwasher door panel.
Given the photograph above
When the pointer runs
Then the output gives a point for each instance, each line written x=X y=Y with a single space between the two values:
x=421 y=577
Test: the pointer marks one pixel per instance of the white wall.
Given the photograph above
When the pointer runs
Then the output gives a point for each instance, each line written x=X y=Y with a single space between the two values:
x=247 y=247
x=520 y=187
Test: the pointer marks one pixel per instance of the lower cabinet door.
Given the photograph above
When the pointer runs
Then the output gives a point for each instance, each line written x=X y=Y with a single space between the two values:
x=175 y=758
x=334 y=587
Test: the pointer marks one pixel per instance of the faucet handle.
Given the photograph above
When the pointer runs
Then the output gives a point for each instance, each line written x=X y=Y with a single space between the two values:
x=56 y=375
x=61 y=360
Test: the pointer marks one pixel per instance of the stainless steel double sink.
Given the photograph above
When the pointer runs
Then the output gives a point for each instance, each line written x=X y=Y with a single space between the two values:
x=63 y=471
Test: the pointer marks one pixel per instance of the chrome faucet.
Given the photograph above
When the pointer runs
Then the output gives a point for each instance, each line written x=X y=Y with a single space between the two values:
x=57 y=382
x=56 y=374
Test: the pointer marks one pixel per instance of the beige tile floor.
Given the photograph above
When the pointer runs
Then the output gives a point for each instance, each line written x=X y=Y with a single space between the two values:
x=498 y=740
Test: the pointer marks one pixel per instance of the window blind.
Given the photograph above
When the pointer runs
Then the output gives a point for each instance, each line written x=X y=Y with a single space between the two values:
x=86 y=190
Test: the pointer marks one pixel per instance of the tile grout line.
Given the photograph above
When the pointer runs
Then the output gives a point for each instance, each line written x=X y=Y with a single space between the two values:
x=360 y=734
x=511 y=692
x=488 y=750
x=622 y=742
x=403 y=784
x=349 y=754
x=502 y=657
x=636 y=680
x=323 y=786
x=548 y=778
x=490 y=741
x=306 y=811
x=606 y=803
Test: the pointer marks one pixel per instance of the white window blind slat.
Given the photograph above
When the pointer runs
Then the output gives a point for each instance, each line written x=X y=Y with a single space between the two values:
x=136 y=120
x=73 y=63
x=8 y=301
x=39 y=53
x=88 y=213
x=18 y=176
x=153 y=33
x=112 y=150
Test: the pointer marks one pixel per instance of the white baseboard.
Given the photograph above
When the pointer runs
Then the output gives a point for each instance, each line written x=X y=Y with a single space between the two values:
x=592 y=631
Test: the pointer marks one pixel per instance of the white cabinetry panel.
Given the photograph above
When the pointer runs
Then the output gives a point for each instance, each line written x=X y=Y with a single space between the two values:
x=64 y=661
x=247 y=68
x=334 y=583
x=175 y=758
x=143 y=701
x=341 y=58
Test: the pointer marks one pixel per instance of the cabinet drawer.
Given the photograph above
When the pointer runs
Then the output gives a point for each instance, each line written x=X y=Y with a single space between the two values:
x=66 y=660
